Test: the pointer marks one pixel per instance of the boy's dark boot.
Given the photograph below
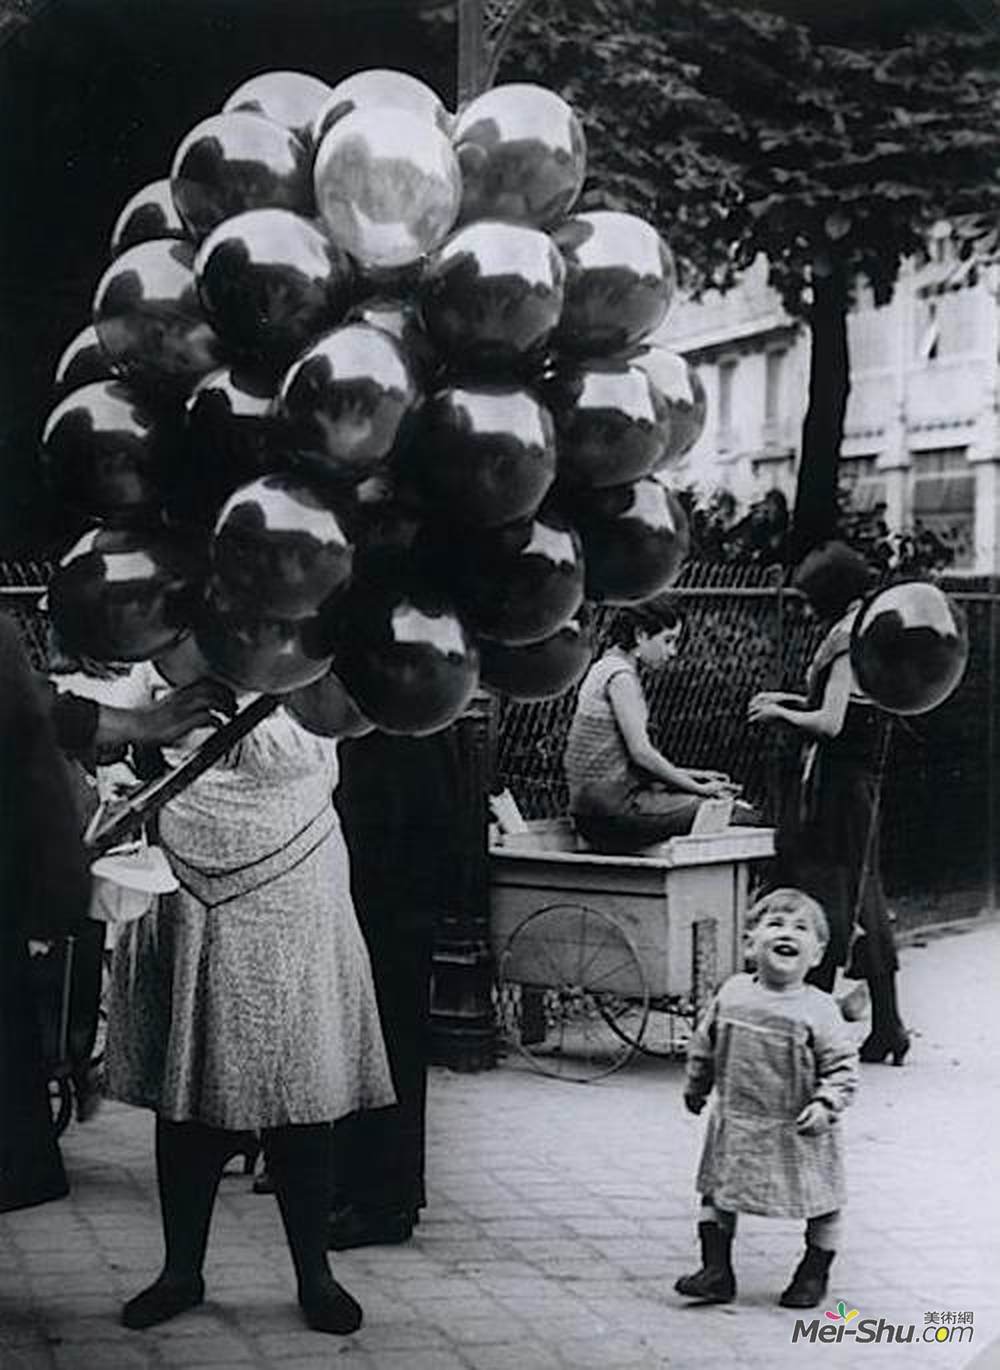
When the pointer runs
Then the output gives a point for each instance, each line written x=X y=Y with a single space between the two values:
x=300 y=1162
x=808 y=1285
x=189 y=1161
x=715 y=1282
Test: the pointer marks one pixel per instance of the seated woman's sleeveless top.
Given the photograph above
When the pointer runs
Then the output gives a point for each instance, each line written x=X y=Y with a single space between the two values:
x=598 y=768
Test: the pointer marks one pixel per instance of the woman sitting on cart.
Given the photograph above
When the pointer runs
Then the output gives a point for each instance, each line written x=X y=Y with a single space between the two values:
x=624 y=793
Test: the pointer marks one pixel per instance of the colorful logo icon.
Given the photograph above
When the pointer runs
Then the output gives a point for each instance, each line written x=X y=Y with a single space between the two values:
x=842 y=1315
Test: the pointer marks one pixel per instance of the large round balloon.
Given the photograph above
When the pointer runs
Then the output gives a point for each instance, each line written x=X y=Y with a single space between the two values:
x=635 y=540
x=325 y=708
x=610 y=423
x=103 y=452
x=344 y=401
x=519 y=583
x=277 y=544
x=254 y=651
x=539 y=670
x=909 y=647
x=149 y=318
x=232 y=437
x=148 y=215
x=387 y=186
x=404 y=655
x=399 y=318
x=237 y=161
x=124 y=595
x=378 y=88
x=290 y=98
x=523 y=156
x=492 y=297
x=270 y=281
x=683 y=395
x=82 y=361
x=620 y=280
x=486 y=454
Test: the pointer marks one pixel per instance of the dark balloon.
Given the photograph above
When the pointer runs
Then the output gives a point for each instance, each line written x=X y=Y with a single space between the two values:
x=401 y=321
x=620 y=280
x=123 y=595
x=523 y=156
x=327 y=709
x=380 y=87
x=238 y=161
x=103 y=450
x=404 y=655
x=519 y=583
x=387 y=186
x=683 y=395
x=232 y=437
x=150 y=214
x=610 y=423
x=149 y=318
x=271 y=281
x=909 y=647
x=635 y=540
x=344 y=402
x=252 y=651
x=492 y=297
x=292 y=99
x=485 y=454
x=539 y=670
x=279 y=546
x=84 y=360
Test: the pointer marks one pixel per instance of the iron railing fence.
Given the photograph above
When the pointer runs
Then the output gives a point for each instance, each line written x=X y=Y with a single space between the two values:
x=743 y=631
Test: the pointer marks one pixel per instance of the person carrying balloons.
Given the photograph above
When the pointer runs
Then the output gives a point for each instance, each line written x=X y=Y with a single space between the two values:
x=780 y=1059
x=828 y=830
x=624 y=793
x=245 y=1002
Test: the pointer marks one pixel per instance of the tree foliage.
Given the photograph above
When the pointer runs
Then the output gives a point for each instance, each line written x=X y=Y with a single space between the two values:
x=739 y=132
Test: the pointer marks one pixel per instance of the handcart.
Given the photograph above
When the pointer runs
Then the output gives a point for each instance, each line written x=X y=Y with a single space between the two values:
x=599 y=956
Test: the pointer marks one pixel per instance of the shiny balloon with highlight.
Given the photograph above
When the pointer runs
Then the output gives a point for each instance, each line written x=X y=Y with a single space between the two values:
x=635 y=540
x=910 y=647
x=387 y=186
x=523 y=156
x=292 y=99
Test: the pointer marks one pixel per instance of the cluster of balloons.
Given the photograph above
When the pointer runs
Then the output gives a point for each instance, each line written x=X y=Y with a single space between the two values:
x=367 y=408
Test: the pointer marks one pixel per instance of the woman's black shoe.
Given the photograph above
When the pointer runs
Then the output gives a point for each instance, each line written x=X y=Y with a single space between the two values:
x=874 y=1050
x=163 y=1300
x=351 y=1227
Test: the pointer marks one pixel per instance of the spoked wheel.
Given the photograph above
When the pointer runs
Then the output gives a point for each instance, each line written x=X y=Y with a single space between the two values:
x=668 y=1031
x=574 y=997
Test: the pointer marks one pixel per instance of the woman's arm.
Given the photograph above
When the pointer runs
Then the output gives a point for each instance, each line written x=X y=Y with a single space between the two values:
x=630 y=714
x=826 y=721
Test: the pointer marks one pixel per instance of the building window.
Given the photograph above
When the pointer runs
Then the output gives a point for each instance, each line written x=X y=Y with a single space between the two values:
x=774 y=363
x=944 y=499
x=863 y=483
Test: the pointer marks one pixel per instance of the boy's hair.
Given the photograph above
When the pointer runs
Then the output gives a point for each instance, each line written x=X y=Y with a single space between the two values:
x=831 y=577
x=789 y=900
x=649 y=618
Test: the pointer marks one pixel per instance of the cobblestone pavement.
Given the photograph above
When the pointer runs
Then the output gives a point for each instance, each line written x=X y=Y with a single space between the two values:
x=559 y=1217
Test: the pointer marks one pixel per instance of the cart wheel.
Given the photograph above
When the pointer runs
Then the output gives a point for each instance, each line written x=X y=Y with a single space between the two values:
x=61 y=1103
x=573 y=995
x=668 y=1031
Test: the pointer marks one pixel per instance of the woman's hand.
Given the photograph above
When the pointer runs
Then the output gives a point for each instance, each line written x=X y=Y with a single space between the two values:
x=203 y=704
x=766 y=707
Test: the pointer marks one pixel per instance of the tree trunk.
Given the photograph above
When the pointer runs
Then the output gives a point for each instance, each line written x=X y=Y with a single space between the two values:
x=815 y=516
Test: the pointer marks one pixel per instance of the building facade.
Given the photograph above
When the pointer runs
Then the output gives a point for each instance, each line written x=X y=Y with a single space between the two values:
x=922 y=432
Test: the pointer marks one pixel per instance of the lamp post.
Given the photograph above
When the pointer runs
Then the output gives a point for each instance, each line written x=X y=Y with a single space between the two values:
x=463 y=1032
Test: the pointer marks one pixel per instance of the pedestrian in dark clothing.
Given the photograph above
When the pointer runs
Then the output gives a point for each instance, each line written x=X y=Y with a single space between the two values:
x=44 y=893
x=399 y=799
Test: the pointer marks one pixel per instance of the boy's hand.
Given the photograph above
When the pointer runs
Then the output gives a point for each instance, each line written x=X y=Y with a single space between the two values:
x=694 y=1103
x=814 y=1119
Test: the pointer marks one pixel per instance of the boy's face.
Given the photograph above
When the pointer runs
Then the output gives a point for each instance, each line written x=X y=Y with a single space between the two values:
x=660 y=648
x=784 y=946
